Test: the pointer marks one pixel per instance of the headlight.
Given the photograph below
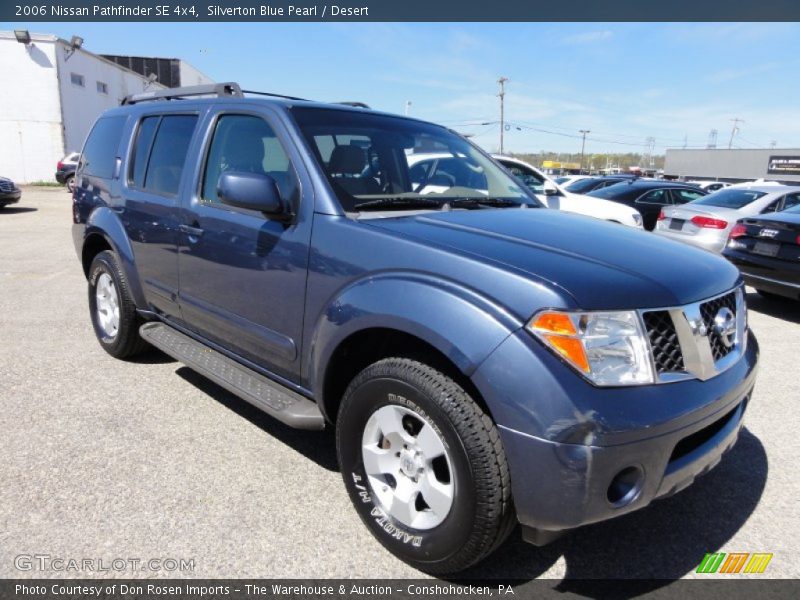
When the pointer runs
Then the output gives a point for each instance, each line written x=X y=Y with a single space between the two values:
x=608 y=348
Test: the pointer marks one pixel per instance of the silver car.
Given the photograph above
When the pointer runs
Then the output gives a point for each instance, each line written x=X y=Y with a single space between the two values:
x=707 y=221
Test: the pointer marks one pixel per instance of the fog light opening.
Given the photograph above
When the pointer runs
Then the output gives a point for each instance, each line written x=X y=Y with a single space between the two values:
x=625 y=486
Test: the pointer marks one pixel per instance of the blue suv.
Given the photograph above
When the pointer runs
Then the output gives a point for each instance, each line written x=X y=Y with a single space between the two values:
x=485 y=361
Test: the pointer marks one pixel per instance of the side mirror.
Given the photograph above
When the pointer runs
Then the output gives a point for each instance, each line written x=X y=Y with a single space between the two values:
x=550 y=188
x=253 y=191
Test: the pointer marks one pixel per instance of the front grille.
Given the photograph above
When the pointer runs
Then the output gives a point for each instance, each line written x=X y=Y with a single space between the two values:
x=6 y=186
x=708 y=310
x=664 y=342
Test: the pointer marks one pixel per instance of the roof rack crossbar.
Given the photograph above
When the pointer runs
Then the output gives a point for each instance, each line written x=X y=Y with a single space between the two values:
x=217 y=89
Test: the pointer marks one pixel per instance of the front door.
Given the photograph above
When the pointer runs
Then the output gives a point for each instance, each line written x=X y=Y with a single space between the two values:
x=242 y=275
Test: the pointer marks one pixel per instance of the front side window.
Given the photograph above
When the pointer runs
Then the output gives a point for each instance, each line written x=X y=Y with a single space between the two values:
x=167 y=153
x=526 y=176
x=246 y=143
x=379 y=162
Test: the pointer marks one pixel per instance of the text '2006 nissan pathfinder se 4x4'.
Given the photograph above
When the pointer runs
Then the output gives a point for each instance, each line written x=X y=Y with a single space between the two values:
x=484 y=360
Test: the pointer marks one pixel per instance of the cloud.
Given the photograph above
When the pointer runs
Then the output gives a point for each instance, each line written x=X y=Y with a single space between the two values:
x=731 y=74
x=588 y=37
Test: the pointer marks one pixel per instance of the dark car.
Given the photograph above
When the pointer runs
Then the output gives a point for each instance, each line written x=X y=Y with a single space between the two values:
x=589 y=184
x=65 y=170
x=483 y=360
x=9 y=192
x=767 y=252
x=649 y=196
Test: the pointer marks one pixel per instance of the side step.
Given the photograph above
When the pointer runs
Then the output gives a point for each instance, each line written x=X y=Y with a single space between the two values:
x=274 y=399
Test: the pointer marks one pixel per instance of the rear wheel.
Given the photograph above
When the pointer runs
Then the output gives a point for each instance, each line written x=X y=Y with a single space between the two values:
x=424 y=466
x=70 y=183
x=113 y=312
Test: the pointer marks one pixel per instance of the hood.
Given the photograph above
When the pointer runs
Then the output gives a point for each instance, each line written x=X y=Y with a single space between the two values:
x=601 y=265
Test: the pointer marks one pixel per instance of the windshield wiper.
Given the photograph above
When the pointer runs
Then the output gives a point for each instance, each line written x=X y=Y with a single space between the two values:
x=399 y=201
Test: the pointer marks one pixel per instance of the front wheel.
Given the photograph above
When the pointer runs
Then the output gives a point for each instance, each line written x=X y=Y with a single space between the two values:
x=70 y=184
x=424 y=466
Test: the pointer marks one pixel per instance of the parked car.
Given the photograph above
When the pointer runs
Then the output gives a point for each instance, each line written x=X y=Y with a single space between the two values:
x=588 y=184
x=649 y=196
x=482 y=360
x=555 y=196
x=709 y=186
x=65 y=170
x=706 y=222
x=565 y=180
x=9 y=192
x=767 y=251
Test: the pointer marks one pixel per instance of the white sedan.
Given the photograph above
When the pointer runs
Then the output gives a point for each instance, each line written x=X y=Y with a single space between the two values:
x=554 y=196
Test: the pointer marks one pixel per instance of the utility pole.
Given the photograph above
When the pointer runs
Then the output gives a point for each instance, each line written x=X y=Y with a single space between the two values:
x=712 y=139
x=583 y=132
x=408 y=107
x=736 y=122
x=502 y=94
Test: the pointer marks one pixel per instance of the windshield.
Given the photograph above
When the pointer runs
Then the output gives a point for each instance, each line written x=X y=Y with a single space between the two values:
x=729 y=198
x=379 y=162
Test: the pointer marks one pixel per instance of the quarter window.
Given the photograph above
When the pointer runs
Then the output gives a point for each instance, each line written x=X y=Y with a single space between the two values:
x=246 y=143
x=101 y=147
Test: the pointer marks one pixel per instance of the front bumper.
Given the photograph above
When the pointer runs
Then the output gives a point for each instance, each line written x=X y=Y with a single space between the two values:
x=566 y=468
x=10 y=197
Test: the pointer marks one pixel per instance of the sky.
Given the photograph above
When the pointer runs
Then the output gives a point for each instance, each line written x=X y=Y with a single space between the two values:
x=623 y=82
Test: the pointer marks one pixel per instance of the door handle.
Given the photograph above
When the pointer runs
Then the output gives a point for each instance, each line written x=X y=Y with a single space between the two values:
x=190 y=230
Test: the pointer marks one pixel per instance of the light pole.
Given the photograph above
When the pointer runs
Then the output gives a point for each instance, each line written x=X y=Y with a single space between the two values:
x=583 y=132
x=408 y=107
x=502 y=94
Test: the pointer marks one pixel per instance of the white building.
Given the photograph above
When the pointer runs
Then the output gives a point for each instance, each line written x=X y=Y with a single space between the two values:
x=51 y=96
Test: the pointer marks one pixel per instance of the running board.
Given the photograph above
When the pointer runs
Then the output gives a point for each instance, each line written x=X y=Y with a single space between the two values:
x=274 y=399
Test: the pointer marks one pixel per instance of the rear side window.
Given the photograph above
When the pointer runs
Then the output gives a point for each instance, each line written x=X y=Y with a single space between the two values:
x=100 y=150
x=684 y=196
x=160 y=153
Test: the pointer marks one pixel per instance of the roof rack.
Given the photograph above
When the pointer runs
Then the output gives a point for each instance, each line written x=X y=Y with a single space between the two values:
x=217 y=89
x=271 y=95
x=356 y=104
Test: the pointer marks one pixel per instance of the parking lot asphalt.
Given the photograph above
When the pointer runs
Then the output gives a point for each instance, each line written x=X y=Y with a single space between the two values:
x=104 y=459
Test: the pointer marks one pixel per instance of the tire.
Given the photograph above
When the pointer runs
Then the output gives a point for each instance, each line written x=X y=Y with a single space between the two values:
x=466 y=464
x=112 y=310
x=69 y=183
x=771 y=296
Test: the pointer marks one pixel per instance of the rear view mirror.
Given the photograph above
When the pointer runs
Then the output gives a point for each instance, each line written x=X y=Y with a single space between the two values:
x=252 y=191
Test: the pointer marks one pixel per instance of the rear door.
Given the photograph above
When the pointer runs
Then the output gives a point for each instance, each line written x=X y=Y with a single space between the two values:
x=152 y=188
x=650 y=205
x=243 y=275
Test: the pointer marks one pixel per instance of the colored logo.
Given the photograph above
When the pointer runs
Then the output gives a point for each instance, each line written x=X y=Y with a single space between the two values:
x=734 y=562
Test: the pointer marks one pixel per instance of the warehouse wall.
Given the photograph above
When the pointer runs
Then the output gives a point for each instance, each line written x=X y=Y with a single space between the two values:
x=732 y=165
x=81 y=105
x=31 y=135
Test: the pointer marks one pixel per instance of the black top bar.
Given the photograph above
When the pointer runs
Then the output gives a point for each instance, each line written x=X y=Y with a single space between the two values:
x=217 y=89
